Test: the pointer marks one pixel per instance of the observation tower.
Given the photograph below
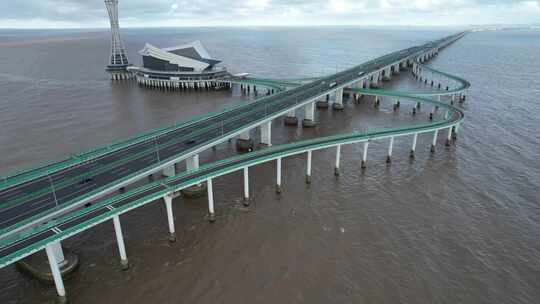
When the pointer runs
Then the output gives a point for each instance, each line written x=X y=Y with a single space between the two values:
x=118 y=64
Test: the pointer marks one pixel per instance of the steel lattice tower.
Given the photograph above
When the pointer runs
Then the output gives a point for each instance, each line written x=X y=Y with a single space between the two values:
x=119 y=60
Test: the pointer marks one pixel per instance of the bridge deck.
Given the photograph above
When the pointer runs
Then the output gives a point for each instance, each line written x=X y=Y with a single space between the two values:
x=48 y=191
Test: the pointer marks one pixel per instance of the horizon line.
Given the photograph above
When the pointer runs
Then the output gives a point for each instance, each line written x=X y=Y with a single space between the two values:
x=274 y=26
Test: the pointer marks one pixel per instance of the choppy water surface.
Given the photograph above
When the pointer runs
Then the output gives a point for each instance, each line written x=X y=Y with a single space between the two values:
x=461 y=226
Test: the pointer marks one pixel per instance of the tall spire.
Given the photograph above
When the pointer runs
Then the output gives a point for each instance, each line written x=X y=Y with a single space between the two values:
x=119 y=60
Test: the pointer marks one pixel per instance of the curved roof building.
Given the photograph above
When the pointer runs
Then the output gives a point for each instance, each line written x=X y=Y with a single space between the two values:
x=191 y=57
x=186 y=64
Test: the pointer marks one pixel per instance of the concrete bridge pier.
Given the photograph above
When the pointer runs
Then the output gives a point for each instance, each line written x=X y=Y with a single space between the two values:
x=390 y=150
x=244 y=142
x=169 y=171
x=387 y=74
x=309 y=118
x=364 y=155
x=413 y=149
x=455 y=133
x=170 y=218
x=195 y=191
x=291 y=119
x=40 y=266
x=338 y=159
x=52 y=257
x=396 y=104
x=377 y=101
x=266 y=133
x=323 y=103
x=278 y=175
x=449 y=138
x=308 y=167
x=246 y=201
x=211 y=213
x=375 y=81
x=434 y=142
x=120 y=241
x=338 y=104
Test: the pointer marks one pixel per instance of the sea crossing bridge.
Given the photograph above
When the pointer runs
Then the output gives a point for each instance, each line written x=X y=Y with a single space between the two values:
x=42 y=206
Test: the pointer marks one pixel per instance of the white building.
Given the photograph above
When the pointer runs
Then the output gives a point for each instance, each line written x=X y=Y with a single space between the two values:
x=185 y=66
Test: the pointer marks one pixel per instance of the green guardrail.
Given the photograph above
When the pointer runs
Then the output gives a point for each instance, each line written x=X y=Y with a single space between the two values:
x=216 y=169
x=161 y=146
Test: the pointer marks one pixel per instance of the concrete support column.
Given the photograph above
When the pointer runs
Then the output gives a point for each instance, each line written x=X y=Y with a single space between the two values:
x=308 y=167
x=170 y=218
x=245 y=135
x=449 y=137
x=244 y=142
x=338 y=159
x=246 y=186
x=309 y=118
x=266 y=133
x=291 y=119
x=192 y=163
x=338 y=104
x=456 y=129
x=323 y=102
x=388 y=74
x=58 y=253
x=278 y=175
x=413 y=149
x=211 y=214
x=377 y=101
x=120 y=241
x=169 y=171
x=390 y=150
x=434 y=142
x=196 y=191
x=55 y=270
x=397 y=104
x=364 y=156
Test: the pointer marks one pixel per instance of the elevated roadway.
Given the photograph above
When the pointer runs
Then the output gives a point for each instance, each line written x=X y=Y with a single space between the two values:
x=43 y=206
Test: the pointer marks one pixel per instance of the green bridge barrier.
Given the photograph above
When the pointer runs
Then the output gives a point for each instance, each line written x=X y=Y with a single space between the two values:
x=158 y=189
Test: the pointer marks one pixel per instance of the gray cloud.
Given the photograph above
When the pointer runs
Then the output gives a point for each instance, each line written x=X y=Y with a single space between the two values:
x=272 y=12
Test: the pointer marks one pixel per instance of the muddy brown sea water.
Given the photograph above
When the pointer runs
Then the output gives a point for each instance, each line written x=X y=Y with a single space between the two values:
x=459 y=226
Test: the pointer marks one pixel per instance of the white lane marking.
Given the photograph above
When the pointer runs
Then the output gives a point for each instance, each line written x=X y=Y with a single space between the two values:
x=25 y=213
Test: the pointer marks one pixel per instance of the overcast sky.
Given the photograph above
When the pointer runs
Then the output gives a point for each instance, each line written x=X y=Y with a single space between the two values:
x=144 y=13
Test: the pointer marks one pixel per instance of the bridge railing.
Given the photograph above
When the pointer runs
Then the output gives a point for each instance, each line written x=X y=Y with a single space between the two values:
x=218 y=168
x=252 y=116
